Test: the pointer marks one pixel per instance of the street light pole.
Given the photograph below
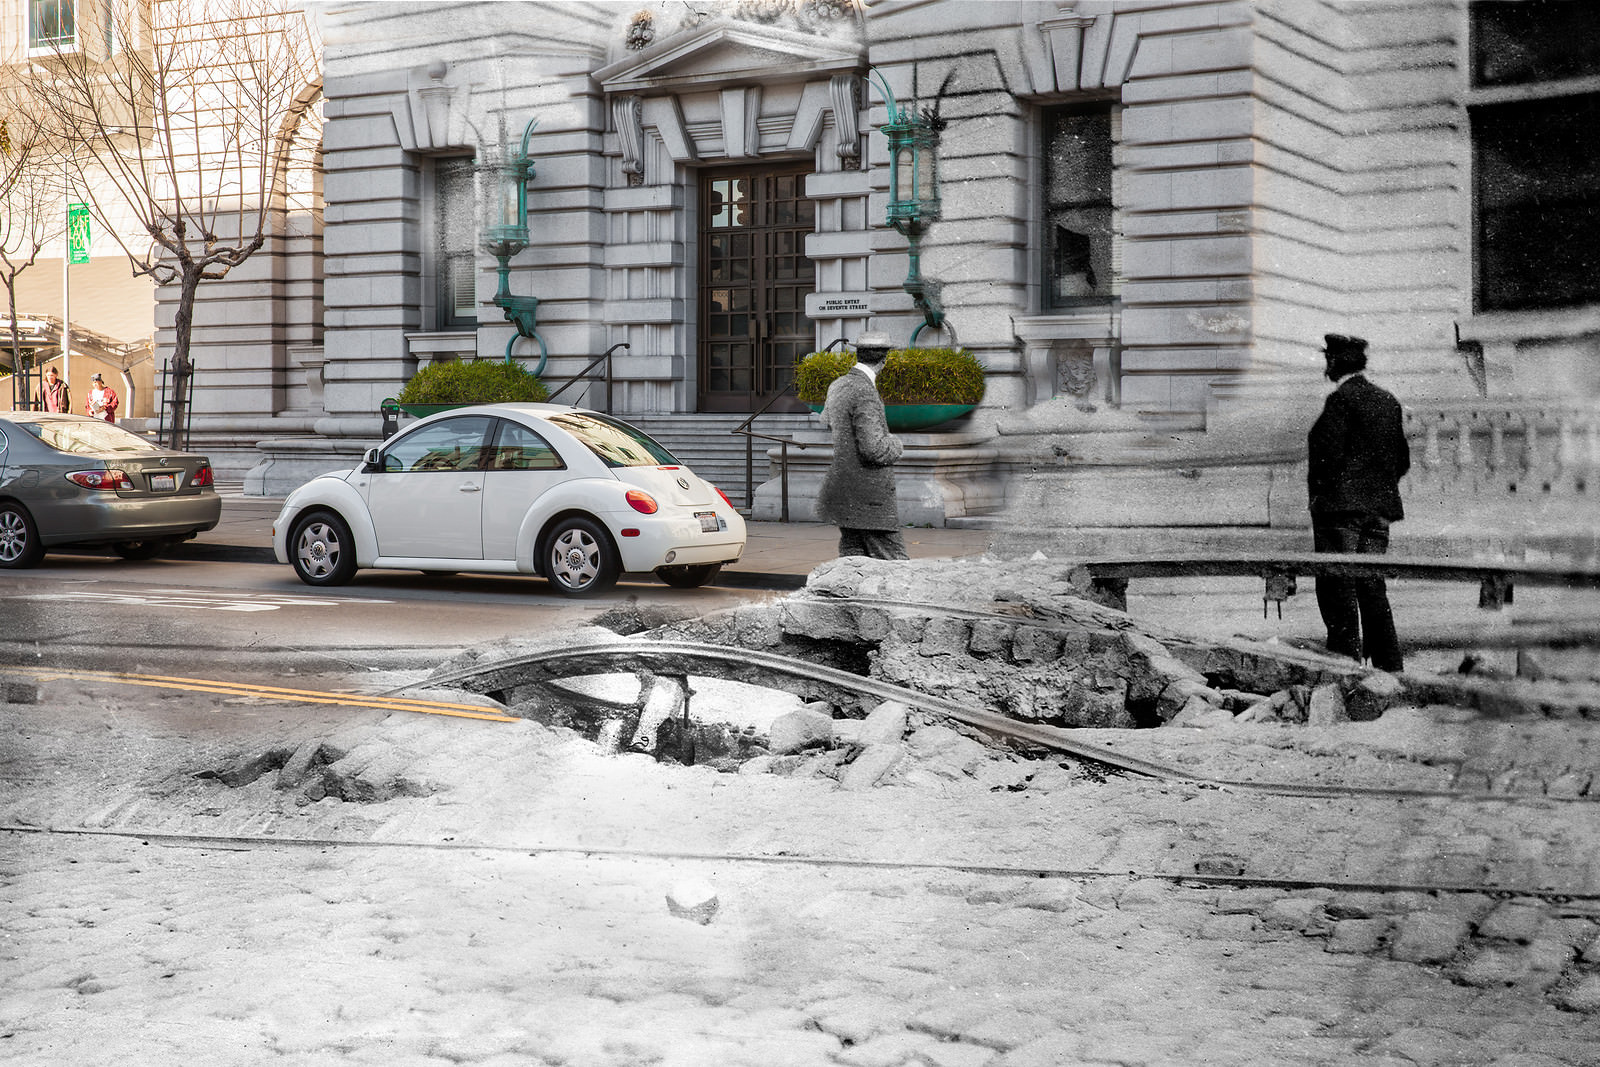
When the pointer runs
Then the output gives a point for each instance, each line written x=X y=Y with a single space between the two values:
x=66 y=298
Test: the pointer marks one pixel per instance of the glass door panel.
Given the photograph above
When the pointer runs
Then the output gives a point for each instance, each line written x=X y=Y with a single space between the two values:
x=754 y=277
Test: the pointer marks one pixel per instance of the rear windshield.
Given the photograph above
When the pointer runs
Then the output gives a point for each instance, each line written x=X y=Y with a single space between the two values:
x=616 y=443
x=89 y=437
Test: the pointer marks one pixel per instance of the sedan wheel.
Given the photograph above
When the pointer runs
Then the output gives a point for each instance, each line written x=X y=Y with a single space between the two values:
x=579 y=558
x=19 y=538
x=322 y=550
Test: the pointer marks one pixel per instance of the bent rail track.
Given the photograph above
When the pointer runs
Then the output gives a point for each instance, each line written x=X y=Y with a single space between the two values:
x=813 y=681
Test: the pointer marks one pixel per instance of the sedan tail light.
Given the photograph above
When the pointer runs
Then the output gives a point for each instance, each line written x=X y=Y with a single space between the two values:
x=110 y=480
x=642 y=502
x=202 y=478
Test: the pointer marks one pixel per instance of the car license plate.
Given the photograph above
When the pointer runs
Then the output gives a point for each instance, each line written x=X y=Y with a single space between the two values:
x=163 y=483
x=708 y=521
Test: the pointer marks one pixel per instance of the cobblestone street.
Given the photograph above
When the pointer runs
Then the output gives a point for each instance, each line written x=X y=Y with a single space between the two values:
x=975 y=909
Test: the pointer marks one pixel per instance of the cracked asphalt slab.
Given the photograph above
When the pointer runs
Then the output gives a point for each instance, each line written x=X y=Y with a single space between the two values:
x=975 y=908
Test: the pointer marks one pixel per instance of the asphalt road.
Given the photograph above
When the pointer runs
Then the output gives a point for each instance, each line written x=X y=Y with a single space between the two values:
x=246 y=619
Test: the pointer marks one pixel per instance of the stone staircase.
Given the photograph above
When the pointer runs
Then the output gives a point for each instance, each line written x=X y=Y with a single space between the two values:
x=706 y=444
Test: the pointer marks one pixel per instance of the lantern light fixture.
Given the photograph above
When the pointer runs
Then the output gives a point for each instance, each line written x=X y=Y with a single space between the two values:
x=914 y=191
x=506 y=233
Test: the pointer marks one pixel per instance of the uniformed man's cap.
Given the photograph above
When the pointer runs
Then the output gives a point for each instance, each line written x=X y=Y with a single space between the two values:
x=1341 y=346
x=874 y=340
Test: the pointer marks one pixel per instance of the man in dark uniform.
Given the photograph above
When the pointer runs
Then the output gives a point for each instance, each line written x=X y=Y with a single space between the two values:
x=857 y=493
x=1358 y=454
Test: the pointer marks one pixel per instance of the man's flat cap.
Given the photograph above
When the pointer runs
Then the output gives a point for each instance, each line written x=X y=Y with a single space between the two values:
x=1341 y=346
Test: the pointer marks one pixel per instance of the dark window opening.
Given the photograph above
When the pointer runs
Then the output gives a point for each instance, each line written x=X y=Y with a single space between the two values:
x=1537 y=185
x=1079 y=214
x=455 y=244
x=1516 y=42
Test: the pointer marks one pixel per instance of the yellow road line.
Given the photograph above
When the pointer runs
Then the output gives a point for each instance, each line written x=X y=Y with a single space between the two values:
x=303 y=696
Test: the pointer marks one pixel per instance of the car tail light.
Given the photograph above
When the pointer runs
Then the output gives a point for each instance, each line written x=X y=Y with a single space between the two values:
x=725 y=499
x=202 y=478
x=642 y=502
x=111 y=480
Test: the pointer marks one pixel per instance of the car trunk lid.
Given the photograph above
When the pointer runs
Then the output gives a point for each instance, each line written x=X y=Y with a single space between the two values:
x=677 y=486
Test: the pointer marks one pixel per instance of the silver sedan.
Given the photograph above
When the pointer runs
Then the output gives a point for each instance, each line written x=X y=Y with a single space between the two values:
x=71 y=480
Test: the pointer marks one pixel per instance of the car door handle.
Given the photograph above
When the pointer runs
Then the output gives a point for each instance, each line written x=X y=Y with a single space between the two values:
x=471 y=487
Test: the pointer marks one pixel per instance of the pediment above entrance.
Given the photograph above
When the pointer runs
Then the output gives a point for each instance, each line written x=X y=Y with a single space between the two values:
x=727 y=52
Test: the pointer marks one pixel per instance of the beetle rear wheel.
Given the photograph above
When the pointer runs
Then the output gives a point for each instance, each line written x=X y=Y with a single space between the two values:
x=579 y=559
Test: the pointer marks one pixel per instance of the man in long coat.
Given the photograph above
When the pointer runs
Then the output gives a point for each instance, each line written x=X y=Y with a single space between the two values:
x=1357 y=455
x=857 y=493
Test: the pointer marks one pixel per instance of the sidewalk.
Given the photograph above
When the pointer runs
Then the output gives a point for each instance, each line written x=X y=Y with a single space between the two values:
x=777 y=555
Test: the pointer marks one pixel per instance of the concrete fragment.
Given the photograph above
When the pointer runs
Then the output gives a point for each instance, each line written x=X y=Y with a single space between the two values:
x=945 y=752
x=1584 y=997
x=867 y=769
x=1262 y=710
x=758 y=765
x=1428 y=937
x=1178 y=693
x=299 y=766
x=1199 y=713
x=885 y=724
x=1372 y=695
x=693 y=900
x=809 y=726
x=1326 y=707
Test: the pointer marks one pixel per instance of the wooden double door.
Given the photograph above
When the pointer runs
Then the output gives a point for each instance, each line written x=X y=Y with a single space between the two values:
x=754 y=280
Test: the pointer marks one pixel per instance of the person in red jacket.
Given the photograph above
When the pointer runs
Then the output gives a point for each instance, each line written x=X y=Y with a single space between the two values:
x=1357 y=454
x=102 y=402
x=53 y=395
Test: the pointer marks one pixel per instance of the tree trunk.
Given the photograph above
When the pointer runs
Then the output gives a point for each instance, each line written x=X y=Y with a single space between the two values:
x=16 y=351
x=182 y=324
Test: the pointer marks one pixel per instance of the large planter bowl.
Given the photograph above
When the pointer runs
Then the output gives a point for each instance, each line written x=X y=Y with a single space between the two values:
x=907 y=418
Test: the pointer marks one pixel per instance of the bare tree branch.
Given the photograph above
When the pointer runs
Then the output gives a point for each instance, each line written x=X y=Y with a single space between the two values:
x=192 y=122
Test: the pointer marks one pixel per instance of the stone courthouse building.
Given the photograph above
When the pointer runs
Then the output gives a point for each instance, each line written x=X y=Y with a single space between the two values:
x=1152 y=210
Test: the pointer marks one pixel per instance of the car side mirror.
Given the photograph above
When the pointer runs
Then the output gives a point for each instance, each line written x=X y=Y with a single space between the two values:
x=372 y=461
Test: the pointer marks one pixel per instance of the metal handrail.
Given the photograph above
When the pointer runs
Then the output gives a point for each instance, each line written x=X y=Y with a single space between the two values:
x=604 y=357
x=783 y=462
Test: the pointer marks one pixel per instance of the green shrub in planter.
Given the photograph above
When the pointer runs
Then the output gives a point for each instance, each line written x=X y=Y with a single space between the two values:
x=909 y=376
x=479 y=381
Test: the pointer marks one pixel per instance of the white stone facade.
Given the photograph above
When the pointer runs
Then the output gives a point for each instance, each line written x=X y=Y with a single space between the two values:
x=1282 y=170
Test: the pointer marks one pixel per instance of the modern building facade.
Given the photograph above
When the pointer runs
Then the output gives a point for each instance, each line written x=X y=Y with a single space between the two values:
x=1152 y=210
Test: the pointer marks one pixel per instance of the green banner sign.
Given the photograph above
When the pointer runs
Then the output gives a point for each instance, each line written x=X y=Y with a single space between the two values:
x=77 y=233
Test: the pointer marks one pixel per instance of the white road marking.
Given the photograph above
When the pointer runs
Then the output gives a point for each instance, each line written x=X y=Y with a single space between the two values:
x=199 y=601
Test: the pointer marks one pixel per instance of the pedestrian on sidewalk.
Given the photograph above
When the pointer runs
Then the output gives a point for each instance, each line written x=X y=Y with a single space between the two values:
x=857 y=494
x=102 y=402
x=53 y=395
x=1357 y=454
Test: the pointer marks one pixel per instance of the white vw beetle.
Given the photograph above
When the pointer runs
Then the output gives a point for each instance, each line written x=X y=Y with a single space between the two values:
x=570 y=494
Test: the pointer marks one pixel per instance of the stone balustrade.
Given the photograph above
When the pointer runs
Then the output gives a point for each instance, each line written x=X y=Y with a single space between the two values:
x=1527 y=465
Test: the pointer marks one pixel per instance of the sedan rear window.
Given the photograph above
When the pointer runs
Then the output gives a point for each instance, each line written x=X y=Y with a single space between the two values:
x=88 y=438
x=616 y=443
